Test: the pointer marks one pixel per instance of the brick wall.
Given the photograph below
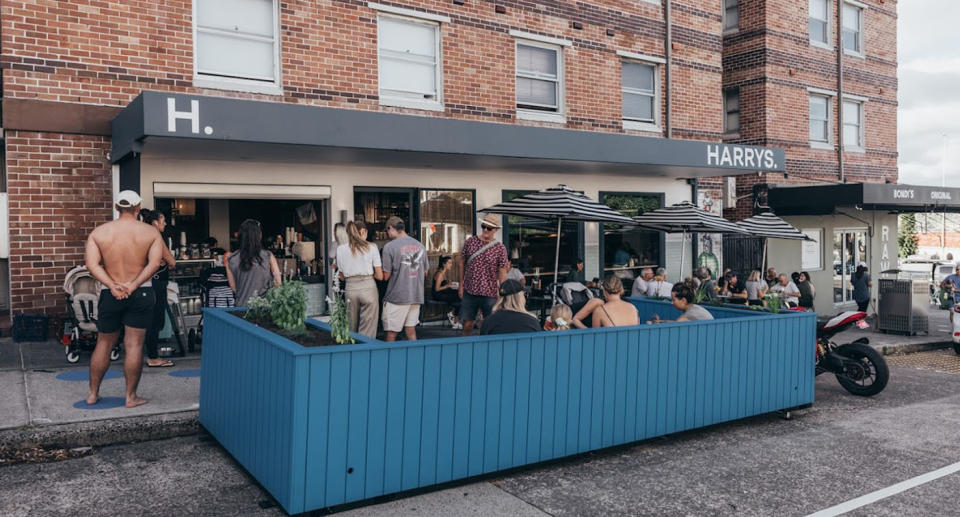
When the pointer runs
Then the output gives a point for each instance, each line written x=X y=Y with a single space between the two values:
x=59 y=187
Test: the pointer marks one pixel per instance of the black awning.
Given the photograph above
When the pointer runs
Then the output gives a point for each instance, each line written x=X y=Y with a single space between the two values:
x=207 y=120
x=825 y=199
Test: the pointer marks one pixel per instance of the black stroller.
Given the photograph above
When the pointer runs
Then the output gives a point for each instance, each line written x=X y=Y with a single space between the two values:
x=214 y=292
x=82 y=293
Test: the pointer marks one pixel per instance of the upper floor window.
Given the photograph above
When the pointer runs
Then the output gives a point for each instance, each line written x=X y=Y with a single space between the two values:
x=731 y=15
x=639 y=89
x=820 y=119
x=820 y=21
x=409 y=52
x=731 y=108
x=539 y=77
x=236 y=45
x=853 y=125
x=852 y=28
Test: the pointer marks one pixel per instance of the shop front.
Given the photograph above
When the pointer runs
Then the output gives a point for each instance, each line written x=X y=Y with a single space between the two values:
x=211 y=162
x=849 y=224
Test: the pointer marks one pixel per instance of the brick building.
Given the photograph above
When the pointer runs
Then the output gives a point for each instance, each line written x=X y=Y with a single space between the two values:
x=216 y=111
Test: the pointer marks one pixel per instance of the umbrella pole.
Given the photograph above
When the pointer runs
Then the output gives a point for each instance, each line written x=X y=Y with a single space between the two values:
x=556 y=261
x=683 y=253
x=764 y=260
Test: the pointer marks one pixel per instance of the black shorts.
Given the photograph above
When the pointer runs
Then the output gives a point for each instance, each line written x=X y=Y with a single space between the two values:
x=135 y=311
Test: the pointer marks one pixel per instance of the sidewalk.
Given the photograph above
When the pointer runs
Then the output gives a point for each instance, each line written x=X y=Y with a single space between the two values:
x=940 y=336
x=44 y=398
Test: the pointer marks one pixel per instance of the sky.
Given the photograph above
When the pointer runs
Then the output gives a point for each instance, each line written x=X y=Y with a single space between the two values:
x=929 y=91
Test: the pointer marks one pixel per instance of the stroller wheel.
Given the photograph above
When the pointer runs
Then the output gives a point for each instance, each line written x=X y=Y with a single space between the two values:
x=72 y=355
x=115 y=353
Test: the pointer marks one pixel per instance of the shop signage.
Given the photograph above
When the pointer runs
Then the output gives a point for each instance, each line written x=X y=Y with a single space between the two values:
x=884 y=248
x=916 y=195
x=724 y=155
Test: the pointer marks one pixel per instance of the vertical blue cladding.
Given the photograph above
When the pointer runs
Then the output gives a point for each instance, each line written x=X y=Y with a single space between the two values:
x=332 y=425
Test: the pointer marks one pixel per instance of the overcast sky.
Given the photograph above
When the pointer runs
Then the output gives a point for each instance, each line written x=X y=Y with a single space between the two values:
x=929 y=91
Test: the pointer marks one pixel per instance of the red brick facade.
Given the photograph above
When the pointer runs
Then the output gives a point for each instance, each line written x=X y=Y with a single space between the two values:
x=105 y=52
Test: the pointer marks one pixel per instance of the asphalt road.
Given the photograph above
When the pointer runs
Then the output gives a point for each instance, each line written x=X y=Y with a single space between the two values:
x=842 y=448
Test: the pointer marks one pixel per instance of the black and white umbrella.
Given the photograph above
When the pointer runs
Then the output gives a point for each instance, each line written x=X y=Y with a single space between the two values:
x=769 y=226
x=685 y=218
x=559 y=203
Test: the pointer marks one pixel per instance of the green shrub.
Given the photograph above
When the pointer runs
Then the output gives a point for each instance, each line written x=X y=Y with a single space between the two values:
x=339 y=322
x=285 y=306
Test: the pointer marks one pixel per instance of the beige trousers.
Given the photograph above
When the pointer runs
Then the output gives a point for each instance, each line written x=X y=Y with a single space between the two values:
x=363 y=305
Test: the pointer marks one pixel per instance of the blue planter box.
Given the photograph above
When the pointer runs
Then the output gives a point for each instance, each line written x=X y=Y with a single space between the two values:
x=319 y=427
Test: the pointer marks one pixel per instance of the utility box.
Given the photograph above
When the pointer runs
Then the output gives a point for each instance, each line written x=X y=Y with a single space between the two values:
x=902 y=306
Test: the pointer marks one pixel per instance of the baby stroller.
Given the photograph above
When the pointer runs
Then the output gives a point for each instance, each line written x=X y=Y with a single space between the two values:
x=214 y=292
x=82 y=293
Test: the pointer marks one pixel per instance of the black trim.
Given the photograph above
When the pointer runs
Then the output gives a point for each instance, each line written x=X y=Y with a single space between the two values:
x=824 y=199
x=130 y=172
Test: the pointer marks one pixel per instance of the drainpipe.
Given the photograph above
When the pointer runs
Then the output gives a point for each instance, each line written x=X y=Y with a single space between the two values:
x=843 y=178
x=668 y=125
x=695 y=241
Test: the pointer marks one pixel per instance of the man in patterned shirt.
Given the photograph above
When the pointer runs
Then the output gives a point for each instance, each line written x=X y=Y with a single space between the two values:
x=483 y=266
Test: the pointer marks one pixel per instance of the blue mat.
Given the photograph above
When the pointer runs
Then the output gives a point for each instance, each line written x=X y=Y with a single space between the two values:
x=103 y=403
x=84 y=375
x=194 y=372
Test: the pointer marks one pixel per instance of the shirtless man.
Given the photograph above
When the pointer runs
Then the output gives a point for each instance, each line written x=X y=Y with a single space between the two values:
x=123 y=255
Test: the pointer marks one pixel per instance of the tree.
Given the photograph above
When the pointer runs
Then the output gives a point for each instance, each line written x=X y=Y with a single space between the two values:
x=907 y=240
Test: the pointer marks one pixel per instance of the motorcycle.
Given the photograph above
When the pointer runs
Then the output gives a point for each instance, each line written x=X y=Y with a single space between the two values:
x=859 y=368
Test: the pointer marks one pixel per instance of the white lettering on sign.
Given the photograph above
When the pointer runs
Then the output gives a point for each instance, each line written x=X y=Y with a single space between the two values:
x=903 y=193
x=885 y=248
x=940 y=195
x=743 y=157
x=193 y=116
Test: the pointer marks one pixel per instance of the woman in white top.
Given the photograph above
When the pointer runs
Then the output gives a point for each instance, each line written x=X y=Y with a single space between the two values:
x=359 y=265
x=756 y=288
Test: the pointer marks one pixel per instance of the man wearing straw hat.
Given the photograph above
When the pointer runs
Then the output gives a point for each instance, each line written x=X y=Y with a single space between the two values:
x=482 y=267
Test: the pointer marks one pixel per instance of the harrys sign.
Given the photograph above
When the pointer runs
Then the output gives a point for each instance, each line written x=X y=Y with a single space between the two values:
x=722 y=155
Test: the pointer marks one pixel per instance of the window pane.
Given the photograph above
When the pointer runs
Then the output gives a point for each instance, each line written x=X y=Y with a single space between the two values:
x=536 y=59
x=234 y=57
x=535 y=91
x=818 y=9
x=446 y=220
x=531 y=243
x=851 y=17
x=818 y=107
x=818 y=30
x=851 y=40
x=638 y=76
x=732 y=122
x=638 y=107
x=730 y=3
x=851 y=113
x=851 y=135
x=244 y=16
x=818 y=131
x=620 y=245
x=405 y=76
x=407 y=37
x=731 y=18
x=732 y=100
x=838 y=267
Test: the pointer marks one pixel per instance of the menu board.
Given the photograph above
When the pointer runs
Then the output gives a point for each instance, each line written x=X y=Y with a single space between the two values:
x=811 y=255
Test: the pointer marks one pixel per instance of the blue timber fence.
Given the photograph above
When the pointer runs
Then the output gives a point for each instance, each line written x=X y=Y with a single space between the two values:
x=319 y=427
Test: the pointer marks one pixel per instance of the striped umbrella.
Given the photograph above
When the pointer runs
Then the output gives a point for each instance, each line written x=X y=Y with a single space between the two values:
x=769 y=226
x=560 y=203
x=685 y=218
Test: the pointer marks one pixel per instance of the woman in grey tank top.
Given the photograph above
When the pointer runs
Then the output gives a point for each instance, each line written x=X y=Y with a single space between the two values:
x=251 y=270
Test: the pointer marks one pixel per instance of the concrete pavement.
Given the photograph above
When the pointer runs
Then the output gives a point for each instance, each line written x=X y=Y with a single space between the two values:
x=940 y=335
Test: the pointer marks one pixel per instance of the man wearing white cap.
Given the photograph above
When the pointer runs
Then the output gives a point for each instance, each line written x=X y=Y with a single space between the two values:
x=482 y=267
x=123 y=255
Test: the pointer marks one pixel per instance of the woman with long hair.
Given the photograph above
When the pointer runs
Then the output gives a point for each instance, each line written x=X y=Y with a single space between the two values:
x=358 y=264
x=756 y=288
x=447 y=292
x=251 y=270
x=807 y=291
x=510 y=313
x=612 y=311
x=159 y=283
x=861 y=283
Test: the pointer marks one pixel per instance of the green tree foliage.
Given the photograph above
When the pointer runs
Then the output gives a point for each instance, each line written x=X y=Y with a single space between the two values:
x=907 y=240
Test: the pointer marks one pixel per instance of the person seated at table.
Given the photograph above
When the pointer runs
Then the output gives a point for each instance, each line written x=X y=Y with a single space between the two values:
x=515 y=274
x=612 y=311
x=659 y=287
x=787 y=289
x=708 y=286
x=561 y=317
x=771 y=277
x=446 y=292
x=682 y=298
x=735 y=291
x=642 y=283
x=510 y=315
x=577 y=274
x=806 y=289
x=756 y=288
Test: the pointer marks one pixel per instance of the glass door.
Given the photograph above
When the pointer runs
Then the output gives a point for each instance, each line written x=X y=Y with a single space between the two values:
x=849 y=249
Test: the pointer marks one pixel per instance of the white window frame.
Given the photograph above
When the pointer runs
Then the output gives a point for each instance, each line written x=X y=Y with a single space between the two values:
x=727 y=132
x=861 y=14
x=860 y=146
x=556 y=45
x=412 y=102
x=829 y=96
x=829 y=43
x=239 y=84
x=639 y=125
x=730 y=30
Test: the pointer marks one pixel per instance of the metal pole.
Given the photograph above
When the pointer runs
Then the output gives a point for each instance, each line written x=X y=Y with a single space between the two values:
x=556 y=262
x=683 y=243
x=843 y=176
x=668 y=68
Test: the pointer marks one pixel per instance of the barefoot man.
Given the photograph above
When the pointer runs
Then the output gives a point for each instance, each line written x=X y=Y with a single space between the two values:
x=123 y=255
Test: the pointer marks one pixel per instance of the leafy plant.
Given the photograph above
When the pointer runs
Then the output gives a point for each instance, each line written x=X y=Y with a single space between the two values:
x=774 y=302
x=339 y=322
x=907 y=240
x=285 y=306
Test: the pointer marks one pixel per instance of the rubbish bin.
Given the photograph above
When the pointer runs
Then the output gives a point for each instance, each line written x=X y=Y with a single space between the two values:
x=902 y=305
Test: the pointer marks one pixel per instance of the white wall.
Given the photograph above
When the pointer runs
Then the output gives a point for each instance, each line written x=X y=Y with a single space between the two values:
x=342 y=180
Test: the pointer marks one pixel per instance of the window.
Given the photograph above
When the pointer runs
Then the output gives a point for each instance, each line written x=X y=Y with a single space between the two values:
x=820 y=118
x=731 y=15
x=236 y=42
x=639 y=88
x=619 y=245
x=731 y=108
x=852 y=28
x=539 y=77
x=408 y=52
x=853 y=124
x=532 y=243
x=446 y=220
x=820 y=21
x=849 y=249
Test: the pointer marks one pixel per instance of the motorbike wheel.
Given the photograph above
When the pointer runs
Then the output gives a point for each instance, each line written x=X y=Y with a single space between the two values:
x=956 y=348
x=866 y=370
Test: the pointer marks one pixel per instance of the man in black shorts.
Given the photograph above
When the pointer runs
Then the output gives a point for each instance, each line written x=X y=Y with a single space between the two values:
x=123 y=255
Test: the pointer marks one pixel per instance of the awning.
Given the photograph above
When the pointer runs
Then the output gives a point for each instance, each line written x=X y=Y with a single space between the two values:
x=888 y=197
x=363 y=136
x=239 y=191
